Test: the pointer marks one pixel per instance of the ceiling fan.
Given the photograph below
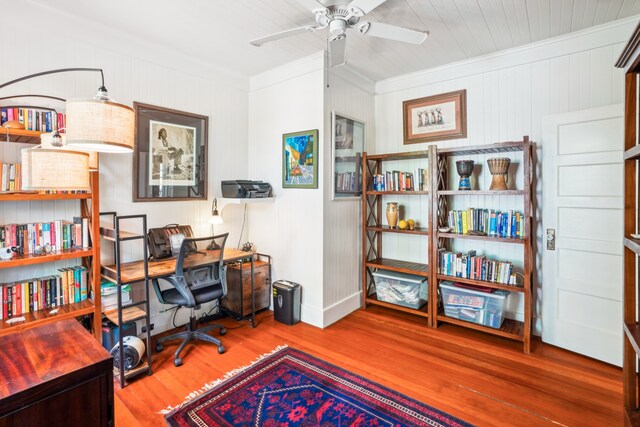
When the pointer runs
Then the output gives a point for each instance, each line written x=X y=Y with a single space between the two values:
x=340 y=16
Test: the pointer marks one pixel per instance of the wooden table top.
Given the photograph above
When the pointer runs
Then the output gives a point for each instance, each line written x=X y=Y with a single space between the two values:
x=131 y=272
x=33 y=357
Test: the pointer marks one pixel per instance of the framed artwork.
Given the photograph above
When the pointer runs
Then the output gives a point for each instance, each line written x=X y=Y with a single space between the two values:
x=170 y=155
x=435 y=118
x=300 y=159
x=347 y=142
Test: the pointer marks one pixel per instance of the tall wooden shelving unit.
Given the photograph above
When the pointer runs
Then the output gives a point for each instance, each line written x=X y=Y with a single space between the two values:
x=630 y=61
x=437 y=200
x=373 y=229
x=511 y=329
x=89 y=208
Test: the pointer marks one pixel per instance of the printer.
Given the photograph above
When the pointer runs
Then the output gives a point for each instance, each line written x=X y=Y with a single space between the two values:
x=241 y=189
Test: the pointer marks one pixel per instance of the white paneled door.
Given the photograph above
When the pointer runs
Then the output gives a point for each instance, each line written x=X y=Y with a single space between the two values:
x=582 y=203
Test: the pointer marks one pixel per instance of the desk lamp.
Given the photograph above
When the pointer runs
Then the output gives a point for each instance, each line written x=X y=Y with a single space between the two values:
x=215 y=219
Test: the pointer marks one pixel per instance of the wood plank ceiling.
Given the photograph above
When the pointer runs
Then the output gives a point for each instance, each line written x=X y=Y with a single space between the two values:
x=218 y=32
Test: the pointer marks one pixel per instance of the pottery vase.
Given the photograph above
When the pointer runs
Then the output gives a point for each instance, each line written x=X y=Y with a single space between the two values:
x=465 y=169
x=392 y=214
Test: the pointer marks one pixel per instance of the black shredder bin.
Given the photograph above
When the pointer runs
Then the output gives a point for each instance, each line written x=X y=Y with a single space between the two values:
x=286 y=302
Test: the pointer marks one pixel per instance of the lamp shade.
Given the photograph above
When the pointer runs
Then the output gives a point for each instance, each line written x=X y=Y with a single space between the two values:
x=99 y=125
x=55 y=169
x=216 y=220
x=46 y=141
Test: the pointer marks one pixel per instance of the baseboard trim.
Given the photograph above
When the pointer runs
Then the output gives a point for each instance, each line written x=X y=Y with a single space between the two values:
x=340 y=309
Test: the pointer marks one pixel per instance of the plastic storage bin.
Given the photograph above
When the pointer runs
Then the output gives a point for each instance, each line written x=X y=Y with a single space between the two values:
x=474 y=306
x=403 y=289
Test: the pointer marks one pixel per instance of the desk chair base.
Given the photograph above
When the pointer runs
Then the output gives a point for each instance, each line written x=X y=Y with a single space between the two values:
x=192 y=333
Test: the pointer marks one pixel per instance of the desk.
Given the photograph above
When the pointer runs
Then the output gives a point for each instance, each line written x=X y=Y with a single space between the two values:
x=55 y=375
x=131 y=272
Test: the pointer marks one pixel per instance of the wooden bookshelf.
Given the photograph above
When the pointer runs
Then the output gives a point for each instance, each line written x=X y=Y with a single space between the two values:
x=89 y=208
x=511 y=329
x=481 y=193
x=21 y=136
x=34 y=196
x=374 y=227
x=31 y=259
x=399 y=266
x=486 y=238
x=423 y=231
x=629 y=61
x=483 y=283
x=54 y=314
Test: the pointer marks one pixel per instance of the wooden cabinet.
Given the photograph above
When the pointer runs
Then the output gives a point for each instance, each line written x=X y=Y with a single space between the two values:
x=630 y=61
x=55 y=374
x=238 y=299
x=89 y=208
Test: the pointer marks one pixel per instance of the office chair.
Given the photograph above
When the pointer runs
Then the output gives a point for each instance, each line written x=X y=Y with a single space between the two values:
x=192 y=287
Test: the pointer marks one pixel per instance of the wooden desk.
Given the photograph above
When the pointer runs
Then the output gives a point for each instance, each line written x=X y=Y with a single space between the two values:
x=56 y=374
x=131 y=272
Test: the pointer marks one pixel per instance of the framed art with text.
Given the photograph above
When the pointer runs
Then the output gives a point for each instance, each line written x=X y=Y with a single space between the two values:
x=170 y=155
x=347 y=144
x=435 y=118
x=300 y=159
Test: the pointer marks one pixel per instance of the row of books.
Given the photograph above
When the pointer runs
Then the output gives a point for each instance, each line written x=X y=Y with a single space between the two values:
x=58 y=235
x=26 y=296
x=32 y=119
x=418 y=180
x=11 y=177
x=347 y=181
x=488 y=221
x=471 y=266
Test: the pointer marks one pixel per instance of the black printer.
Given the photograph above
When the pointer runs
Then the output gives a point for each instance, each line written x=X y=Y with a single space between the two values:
x=241 y=189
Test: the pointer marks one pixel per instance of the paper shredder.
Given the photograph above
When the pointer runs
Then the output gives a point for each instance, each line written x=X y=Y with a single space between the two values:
x=286 y=302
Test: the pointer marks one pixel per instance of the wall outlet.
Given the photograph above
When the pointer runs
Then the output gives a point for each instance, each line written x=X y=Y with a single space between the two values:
x=144 y=328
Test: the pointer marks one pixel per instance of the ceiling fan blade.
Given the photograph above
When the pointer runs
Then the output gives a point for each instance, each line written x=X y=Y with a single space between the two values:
x=362 y=7
x=312 y=5
x=392 y=32
x=283 y=34
x=338 y=51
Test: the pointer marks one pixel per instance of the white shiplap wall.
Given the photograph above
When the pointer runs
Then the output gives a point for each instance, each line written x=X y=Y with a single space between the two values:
x=508 y=94
x=351 y=95
x=289 y=99
x=134 y=71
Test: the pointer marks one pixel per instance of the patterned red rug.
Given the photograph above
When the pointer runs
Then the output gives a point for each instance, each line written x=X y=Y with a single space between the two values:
x=291 y=388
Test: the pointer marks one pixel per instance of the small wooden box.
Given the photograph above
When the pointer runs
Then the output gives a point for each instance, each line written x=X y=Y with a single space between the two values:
x=238 y=299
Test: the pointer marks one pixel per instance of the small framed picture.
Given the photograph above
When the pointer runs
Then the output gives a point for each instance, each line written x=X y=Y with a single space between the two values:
x=348 y=144
x=300 y=159
x=170 y=155
x=435 y=118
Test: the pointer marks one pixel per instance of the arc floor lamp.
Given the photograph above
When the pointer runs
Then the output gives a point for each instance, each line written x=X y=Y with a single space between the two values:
x=97 y=124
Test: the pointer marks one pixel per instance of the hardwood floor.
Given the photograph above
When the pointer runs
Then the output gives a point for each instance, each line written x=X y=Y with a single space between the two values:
x=484 y=380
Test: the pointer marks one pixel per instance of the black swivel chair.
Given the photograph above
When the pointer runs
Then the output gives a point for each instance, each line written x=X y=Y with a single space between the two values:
x=192 y=287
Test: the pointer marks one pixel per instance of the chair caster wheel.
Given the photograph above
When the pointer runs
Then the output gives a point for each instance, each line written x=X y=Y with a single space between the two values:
x=220 y=349
x=159 y=347
x=223 y=331
x=177 y=362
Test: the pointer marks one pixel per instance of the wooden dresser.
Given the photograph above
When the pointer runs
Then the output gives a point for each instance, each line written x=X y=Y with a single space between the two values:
x=238 y=299
x=55 y=375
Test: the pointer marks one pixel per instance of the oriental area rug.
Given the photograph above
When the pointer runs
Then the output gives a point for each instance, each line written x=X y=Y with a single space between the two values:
x=290 y=388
